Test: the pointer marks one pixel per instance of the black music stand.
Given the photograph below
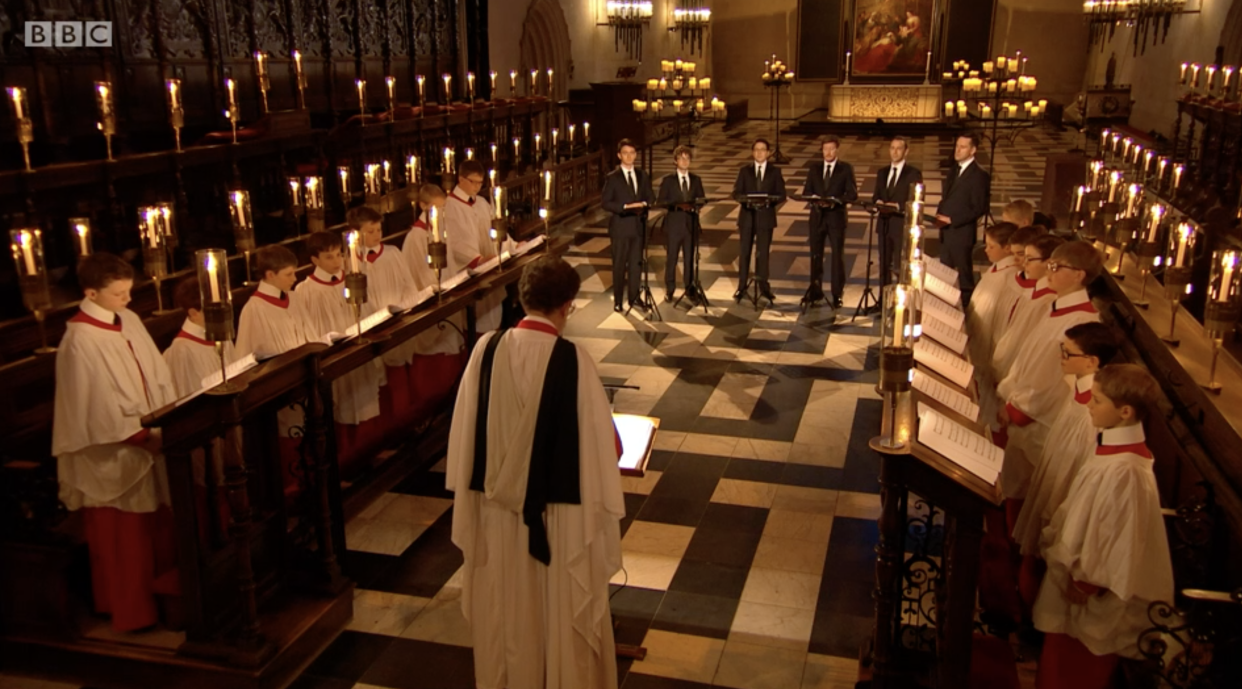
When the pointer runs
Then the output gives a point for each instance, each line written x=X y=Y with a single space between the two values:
x=696 y=229
x=884 y=211
x=751 y=203
x=645 y=298
x=825 y=203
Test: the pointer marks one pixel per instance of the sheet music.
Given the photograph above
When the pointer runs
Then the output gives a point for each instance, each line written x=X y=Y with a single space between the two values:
x=493 y=262
x=366 y=323
x=637 y=434
x=942 y=332
x=454 y=281
x=411 y=300
x=940 y=270
x=945 y=395
x=945 y=291
x=943 y=310
x=234 y=369
x=944 y=362
x=960 y=445
x=529 y=245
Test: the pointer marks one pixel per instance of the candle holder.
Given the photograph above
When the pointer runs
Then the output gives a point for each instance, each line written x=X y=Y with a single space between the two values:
x=896 y=365
x=1177 y=275
x=1224 y=306
x=299 y=79
x=1121 y=237
x=243 y=227
x=373 y=185
x=342 y=173
x=265 y=82
x=312 y=189
x=1148 y=251
x=176 y=113
x=361 y=85
x=19 y=109
x=217 y=299
x=107 y=116
x=82 y=236
x=27 y=248
x=154 y=251
x=355 y=280
x=500 y=224
x=233 y=113
x=296 y=204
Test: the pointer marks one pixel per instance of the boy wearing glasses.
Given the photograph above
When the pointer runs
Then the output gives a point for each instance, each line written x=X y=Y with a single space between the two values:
x=1071 y=439
x=467 y=222
x=1027 y=308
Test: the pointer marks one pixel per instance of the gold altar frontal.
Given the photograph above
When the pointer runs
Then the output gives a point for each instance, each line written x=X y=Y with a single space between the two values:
x=866 y=102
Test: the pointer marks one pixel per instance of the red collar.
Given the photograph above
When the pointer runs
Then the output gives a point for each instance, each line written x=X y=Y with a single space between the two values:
x=282 y=302
x=1083 y=397
x=183 y=335
x=81 y=317
x=454 y=195
x=421 y=225
x=1084 y=307
x=333 y=283
x=373 y=256
x=1023 y=281
x=1043 y=292
x=528 y=324
x=1139 y=449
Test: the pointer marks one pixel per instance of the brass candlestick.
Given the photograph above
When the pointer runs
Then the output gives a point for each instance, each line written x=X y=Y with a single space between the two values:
x=154 y=251
x=107 y=116
x=19 y=108
x=1122 y=235
x=355 y=279
x=265 y=83
x=437 y=258
x=176 y=113
x=243 y=227
x=27 y=248
x=233 y=112
x=217 y=300
x=1224 y=306
x=1146 y=254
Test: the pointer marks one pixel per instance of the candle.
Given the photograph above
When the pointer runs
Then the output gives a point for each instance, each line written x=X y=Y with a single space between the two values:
x=174 y=94
x=497 y=197
x=448 y=88
x=586 y=131
x=1228 y=263
x=571 y=135
x=392 y=92
x=928 y=70
x=1160 y=167
x=1194 y=75
x=534 y=81
x=17 y=95
x=517 y=147
x=343 y=171
x=232 y=95
x=1177 y=176
x=421 y=80
x=1211 y=77
x=1224 y=87
x=411 y=169
x=82 y=228
x=848 y=56
x=513 y=81
x=899 y=317
x=549 y=82
x=491 y=177
x=1136 y=193
x=492 y=74
x=538 y=142
x=493 y=152
x=362 y=94
x=1114 y=179
x=314 y=193
x=1000 y=62
x=448 y=160
x=352 y=249
x=948 y=108
x=1183 y=232
x=26 y=242
x=1157 y=212
x=987 y=67
x=212 y=276
x=435 y=224
x=1078 y=194
x=470 y=85
x=1182 y=77
x=547 y=185
x=295 y=191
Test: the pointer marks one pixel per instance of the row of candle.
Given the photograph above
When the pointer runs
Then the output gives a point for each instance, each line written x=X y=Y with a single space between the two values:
x=678 y=65
x=1022 y=84
x=678 y=83
x=1032 y=109
x=1006 y=64
x=1115 y=148
x=715 y=105
x=1188 y=75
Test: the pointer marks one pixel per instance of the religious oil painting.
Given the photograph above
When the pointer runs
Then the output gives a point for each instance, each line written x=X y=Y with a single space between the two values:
x=892 y=37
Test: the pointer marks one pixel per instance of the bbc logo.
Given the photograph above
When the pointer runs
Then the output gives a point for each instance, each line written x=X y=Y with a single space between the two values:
x=69 y=34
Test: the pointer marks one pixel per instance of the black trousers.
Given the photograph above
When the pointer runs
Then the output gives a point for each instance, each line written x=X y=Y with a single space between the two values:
x=891 y=237
x=679 y=242
x=627 y=254
x=957 y=243
x=750 y=237
x=831 y=228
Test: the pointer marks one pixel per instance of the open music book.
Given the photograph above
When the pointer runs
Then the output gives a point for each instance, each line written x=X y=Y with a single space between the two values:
x=413 y=299
x=941 y=289
x=212 y=380
x=933 y=266
x=945 y=334
x=960 y=445
x=945 y=395
x=366 y=323
x=454 y=281
x=943 y=310
x=950 y=366
x=637 y=434
x=530 y=245
x=489 y=264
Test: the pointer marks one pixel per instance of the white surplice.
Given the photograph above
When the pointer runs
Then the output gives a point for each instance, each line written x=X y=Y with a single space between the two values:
x=467 y=225
x=109 y=374
x=980 y=319
x=1070 y=442
x=1023 y=314
x=535 y=626
x=321 y=306
x=191 y=358
x=1109 y=533
x=439 y=339
x=268 y=325
x=389 y=282
x=1035 y=389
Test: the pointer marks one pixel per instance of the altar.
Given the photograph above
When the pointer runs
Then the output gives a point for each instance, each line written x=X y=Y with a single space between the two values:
x=891 y=102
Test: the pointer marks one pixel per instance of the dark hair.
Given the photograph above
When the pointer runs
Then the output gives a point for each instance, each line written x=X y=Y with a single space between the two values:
x=1045 y=244
x=1095 y=339
x=1025 y=235
x=830 y=139
x=626 y=142
x=1082 y=256
x=1001 y=232
x=548 y=284
x=274 y=258
x=1047 y=221
x=319 y=242
x=682 y=150
x=902 y=139
x=187 y=295
x=974 y=138
x=1129 y=384
x=101 y=269
x=471 y=167
x=361 y=215
x=758 y=141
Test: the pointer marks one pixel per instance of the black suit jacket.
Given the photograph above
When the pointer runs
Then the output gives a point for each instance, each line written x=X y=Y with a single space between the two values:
x=965 y=197
x=773 y=183
x=617 y=193
x=841 y=185
x=901 y=191
x=670 y=192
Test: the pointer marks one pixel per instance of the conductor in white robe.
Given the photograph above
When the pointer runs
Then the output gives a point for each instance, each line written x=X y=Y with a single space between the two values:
x=538 y=500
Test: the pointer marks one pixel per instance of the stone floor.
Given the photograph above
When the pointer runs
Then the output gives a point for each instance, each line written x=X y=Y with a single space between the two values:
x=748 y=545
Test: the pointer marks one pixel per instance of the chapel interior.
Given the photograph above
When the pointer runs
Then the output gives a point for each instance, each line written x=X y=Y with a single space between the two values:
x=778 y=534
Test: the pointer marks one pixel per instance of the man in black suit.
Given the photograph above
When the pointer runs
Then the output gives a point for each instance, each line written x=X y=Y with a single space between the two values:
x=627 y=194
x=681 y=188
x=965 y=200
x=757 y=177
x=894 y=184
x=829 y=178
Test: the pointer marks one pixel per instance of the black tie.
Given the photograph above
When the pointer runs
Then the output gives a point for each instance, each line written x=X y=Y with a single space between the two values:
x=759 y=173
x=827 y=171
x=685 y=185
x=629 y=179
x=892 y=178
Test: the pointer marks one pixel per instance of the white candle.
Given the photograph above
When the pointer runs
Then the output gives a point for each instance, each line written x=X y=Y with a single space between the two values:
x=1157 y=212
x=212 y=277
x=1177 y=176
x=392 y=92
x=1184 y=232
x=538 y=142
x=435 y=223
x=547 y=185
x=84 y=232
x=899 y=317
x=421 y=80
x=929 y=64
x=571 y=134
x=586 y=131
x=1228 y=262
x=27 y=244
x=497 y=196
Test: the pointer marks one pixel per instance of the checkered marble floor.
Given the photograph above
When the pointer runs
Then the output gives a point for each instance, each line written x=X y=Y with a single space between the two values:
x=748 y=546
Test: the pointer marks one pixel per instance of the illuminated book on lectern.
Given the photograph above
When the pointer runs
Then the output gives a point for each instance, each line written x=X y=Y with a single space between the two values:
x=933 y=266
x=214 y=379
x=943 y=310
x=943 y=361
x=941 y=289
x=945 y=395
x=959 y=444
x=942 y=332
x=637 y=433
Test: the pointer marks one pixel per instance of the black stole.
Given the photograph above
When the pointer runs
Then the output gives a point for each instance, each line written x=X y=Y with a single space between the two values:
x=554 y=459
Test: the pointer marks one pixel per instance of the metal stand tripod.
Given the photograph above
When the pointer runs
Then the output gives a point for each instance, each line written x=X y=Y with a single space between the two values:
x=645 y=298
x=694 y=285
x=868 y=294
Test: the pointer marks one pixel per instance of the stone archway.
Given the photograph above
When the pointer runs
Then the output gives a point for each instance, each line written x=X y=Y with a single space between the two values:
x=545 y=43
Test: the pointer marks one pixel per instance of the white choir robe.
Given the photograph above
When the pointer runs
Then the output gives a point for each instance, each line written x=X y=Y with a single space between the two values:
x=1023 y=314
x=322 y=308
x=1015 y=288
x=535 y=626
x=191 y=358
x=980 y=318
x=467 y=226
x=436 y=340
x=1070 y=442
x=1035 y=389
x=107 y=378
x=268 y=326
x=1109 y=533
x=389 y=282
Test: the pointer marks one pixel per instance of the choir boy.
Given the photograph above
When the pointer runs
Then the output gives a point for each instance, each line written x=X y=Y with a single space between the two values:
x=1070 y=441
x=979 y=315
x=467 y=221
x=1020 y=213
x=1015 y=288
x=1028 y=307
x=1106 y=548
x=267 y=326
x=109 y=374
x=192 y=357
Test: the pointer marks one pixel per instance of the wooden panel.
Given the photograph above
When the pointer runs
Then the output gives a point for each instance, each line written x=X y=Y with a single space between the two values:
x=820 y=24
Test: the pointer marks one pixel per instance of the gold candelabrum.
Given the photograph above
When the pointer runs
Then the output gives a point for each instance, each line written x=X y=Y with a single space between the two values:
x=155 y=228
x=27 y=247
x=1224 y=305
x=355 y=279
x=212 y=267
x=19 y=109
x=1179 y=259
x=243 y=227
x=107 y=115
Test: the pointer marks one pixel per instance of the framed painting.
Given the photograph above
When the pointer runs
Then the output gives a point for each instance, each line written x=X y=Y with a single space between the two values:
x=891 y=39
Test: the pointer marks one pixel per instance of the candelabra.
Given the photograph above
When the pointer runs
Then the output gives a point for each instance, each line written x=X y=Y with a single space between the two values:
x=690 y=21
x=1218 y=88
x=27 y=248
x=1224 y=305
x=82 y=234
x=243 y=226
x=154 y=227
x=775 y=76
x=19 y=109
x=217 y=300
x=628 y=18
x=679 y=91
x=1145 y=17
x=1177 y=272
x=987 y=98
x=355 y=279
x=107 y=116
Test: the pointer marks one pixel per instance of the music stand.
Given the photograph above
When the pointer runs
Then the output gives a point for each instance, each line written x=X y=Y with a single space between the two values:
x=645 y=298
x=825 y=203
x=753 y=202
x=885 y=211
x=696 y=229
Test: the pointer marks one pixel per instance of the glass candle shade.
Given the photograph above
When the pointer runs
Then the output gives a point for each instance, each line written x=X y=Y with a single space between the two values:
x=26 y=245
x=81 y=228
x=243 y=222
x=212 y=266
